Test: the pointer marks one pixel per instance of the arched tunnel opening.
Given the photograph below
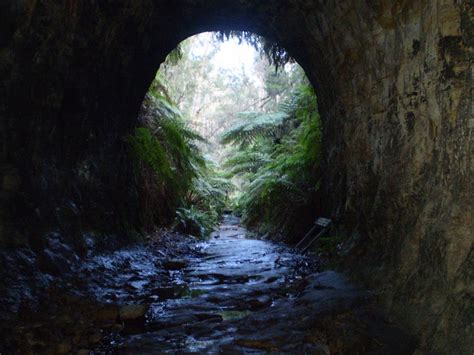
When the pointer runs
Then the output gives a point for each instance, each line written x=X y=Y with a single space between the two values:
x=394 y=86
x=251 y=141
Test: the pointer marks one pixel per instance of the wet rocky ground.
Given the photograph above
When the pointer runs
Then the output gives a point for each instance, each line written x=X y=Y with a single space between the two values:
x=229 y=294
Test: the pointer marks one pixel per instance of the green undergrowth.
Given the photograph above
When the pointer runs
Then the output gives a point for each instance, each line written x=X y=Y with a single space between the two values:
x=276 y=158
x=332 y=249
x=269 y=151
x=329 y=245
x=177 y=185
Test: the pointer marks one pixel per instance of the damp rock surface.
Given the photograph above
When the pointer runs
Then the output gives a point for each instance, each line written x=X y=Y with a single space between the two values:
x=244 y=295
x=229 y=294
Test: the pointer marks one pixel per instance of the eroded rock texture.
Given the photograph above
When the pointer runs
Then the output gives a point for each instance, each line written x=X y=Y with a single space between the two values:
x=394 y=79
x=403 y=125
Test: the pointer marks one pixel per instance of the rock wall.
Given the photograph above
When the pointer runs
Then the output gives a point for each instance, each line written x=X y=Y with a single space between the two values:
x=400 y=154
x=394 y=80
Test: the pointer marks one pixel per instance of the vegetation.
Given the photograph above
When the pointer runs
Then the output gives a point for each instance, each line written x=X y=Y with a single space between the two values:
x=277 y=157
x=244 y=139
x=276 y=55
x=213 y=96
x=176 y=183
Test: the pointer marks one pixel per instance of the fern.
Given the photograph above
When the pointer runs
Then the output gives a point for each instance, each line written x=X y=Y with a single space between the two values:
x=277 y=154
x=148 y=150
x=195 y=221
x=256 y=125
x=243 y=162
x=172 y=173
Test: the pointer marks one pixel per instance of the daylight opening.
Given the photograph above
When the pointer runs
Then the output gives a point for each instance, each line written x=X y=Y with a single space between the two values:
x=230 y=124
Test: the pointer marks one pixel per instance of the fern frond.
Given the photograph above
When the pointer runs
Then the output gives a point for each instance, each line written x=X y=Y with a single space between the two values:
x=256 y=125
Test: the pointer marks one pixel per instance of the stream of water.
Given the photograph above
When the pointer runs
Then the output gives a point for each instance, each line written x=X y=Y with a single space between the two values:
x=244 y=295
x=230 y=294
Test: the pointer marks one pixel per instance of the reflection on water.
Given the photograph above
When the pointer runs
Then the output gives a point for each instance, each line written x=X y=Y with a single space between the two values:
x=251 y=296
x=229 y=294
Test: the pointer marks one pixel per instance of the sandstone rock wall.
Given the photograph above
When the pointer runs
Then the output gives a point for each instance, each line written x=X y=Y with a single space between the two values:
x=402 y=167
x=394 y=80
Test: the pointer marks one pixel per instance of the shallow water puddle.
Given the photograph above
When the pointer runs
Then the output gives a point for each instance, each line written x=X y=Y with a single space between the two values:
x=253 y=296
x=227 y=295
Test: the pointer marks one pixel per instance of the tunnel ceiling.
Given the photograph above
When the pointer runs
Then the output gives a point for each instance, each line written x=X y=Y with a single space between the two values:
x=394 y=83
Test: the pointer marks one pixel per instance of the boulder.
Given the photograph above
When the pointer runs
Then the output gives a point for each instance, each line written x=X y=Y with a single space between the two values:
x=133 y=312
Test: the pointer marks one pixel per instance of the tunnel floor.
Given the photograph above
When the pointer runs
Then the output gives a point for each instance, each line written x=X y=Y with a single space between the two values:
x=230 y=294
x=243 y=295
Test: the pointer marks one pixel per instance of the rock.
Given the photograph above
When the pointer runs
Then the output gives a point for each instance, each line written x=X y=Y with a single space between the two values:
x=95 y=337
x=133 y=311
x=394 y=82
x=260 y=344
x=271 y=279
x=133 y=317
x=174 y=265
x=209 y=317
x=107 y=313
x=33 y=340
x=114 y=328
x=170 y=292
x=64 y=348
x=11 y=182
x=260 y=302
x=57 y=246
x=53 y=264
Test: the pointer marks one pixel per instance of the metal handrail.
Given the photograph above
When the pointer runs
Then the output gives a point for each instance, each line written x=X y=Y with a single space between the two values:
x=324 y=223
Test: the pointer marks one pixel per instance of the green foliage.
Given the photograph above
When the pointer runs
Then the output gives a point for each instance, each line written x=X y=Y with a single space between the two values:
x=175 y=56
x=330 y=245
x=277 y=55
x=256 y=125
x=148 y=150
x=216 y=94
x=195 y=222
x=272 y=140
x=206 y=201
x=173 y=177
x=278 y=155
x=243 y=162
x=209 y=191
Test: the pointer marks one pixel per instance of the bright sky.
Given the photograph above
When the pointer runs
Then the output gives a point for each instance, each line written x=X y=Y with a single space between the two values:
x=231 y=55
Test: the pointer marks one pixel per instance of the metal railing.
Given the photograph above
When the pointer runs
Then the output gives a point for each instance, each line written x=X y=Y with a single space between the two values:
x=323 y=224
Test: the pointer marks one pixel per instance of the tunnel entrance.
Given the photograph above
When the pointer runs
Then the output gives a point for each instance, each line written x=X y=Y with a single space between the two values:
x=394 y=84
x=250 y=138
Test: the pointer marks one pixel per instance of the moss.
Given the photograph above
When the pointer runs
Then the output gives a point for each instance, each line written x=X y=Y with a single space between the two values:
x=410 y=121
x=234 y=315
x=11 y=182
x=148 y=150
x=194 y=293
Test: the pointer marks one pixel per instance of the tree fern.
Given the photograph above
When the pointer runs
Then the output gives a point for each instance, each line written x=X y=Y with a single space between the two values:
x=256 y=125
x=243 y=162
x=278 y=155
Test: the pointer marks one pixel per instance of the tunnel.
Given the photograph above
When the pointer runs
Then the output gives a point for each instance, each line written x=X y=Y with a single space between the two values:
x=395 y=91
